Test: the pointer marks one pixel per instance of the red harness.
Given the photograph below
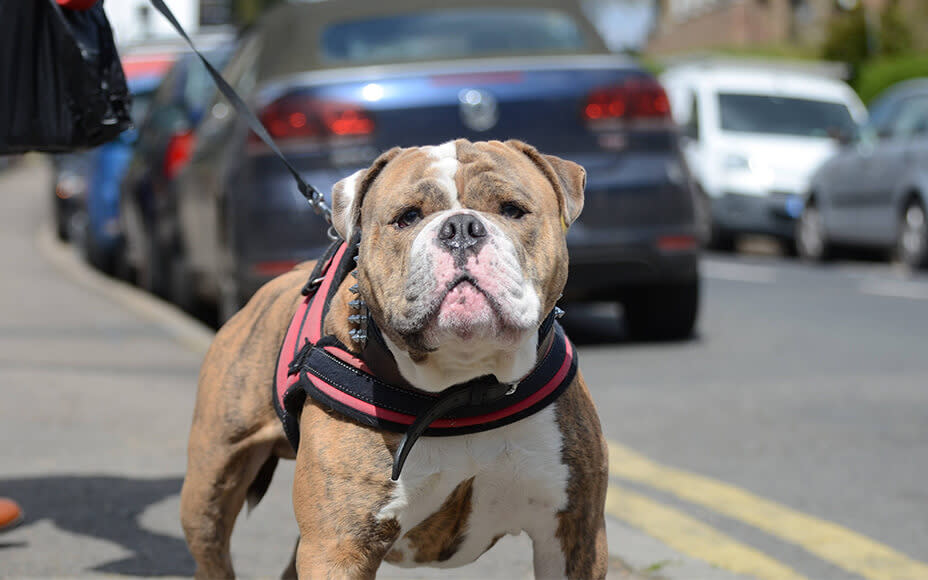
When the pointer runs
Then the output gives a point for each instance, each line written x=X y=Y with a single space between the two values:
x=321 y=367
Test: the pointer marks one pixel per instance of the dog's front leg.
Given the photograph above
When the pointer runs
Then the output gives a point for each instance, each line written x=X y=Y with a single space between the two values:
x=341 y=483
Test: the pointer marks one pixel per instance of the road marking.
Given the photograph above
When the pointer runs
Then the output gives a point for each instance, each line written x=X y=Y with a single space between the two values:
x=830 y=542
x=692 y=537
x=894 y=289
x=737 y=272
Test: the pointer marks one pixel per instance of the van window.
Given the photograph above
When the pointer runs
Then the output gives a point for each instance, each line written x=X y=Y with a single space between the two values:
x=691 y=129
x=777 y=115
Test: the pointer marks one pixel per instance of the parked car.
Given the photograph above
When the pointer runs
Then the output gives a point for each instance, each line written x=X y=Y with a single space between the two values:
x=70 y=172
x=102 y=237
x=148 y=210
x=336 y=83
x=874 y=192
x=752 y=136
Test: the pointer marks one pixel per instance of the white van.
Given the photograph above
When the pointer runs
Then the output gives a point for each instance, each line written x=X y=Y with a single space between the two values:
x=752 y=137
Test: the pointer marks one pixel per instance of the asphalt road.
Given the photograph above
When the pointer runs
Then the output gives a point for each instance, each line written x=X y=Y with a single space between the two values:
x=788 y=440
x=806 y=385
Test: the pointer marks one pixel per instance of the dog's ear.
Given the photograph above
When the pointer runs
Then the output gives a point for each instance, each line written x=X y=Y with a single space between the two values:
x=567 y=178
x=348 y=194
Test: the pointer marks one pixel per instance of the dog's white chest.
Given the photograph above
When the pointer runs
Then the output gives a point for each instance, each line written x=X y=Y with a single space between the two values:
x=519 y=484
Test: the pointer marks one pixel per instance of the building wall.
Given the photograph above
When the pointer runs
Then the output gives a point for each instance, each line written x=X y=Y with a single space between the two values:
x=686 y=25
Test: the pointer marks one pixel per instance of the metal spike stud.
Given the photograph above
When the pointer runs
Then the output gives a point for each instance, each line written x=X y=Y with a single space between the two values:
x=355 y=274
x=558 y=312
x=356 y=304
x=358 y=319
x=354 y=289
x=358 y=336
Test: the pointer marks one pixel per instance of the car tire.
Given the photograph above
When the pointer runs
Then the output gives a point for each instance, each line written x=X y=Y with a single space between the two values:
x=153 y=274
x=229 y=300
x=722 y=241
x=912 y=236
x=710 y=234
x=62 y=227
x=811 y=240
x=662 y=312
x=180 y=289
x=96 y=256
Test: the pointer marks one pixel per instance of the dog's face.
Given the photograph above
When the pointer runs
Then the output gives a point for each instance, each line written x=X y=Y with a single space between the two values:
x=462 y=252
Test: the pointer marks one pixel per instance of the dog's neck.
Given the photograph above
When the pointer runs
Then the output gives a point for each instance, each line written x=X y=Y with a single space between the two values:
x=458 y=361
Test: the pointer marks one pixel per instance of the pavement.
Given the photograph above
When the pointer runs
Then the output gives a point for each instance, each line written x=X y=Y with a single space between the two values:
x=98 y=382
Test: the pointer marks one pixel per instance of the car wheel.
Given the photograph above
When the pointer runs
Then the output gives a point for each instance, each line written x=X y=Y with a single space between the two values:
x=722 y=240
x=703 y=215
x=811 y=241
x=912 y=241
x=230 y=299
x=62 y=227
x=96 y=256
x=662 y=312
x=153 y=272
x=180 y=290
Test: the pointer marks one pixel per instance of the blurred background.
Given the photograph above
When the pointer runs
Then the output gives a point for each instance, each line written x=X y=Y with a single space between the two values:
x=731 y=107
x=747 y=281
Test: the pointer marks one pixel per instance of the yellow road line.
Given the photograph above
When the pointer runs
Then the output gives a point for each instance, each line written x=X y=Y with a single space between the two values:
x=692 y=537
x=844 y=548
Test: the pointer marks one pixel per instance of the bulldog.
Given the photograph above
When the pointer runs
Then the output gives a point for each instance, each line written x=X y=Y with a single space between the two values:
x=461 y=257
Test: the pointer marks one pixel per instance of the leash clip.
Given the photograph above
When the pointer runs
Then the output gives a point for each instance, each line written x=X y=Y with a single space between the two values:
x=512 y=389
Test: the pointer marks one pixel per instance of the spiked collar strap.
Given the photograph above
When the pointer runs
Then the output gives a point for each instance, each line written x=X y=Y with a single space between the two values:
x=323 y=368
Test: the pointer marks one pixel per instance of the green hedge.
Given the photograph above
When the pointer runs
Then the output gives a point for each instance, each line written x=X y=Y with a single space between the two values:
x=877 y=75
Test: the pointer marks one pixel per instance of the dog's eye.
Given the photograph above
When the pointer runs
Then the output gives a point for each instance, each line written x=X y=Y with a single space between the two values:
x=512 y=210
x=409 y=217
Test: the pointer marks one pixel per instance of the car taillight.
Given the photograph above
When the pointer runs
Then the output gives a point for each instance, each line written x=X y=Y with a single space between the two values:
x=297 y=117
x=177 y=154
x=640 y=99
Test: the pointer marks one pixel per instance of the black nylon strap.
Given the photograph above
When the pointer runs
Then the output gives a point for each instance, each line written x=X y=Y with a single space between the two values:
x=477 y=392
x=308 y=191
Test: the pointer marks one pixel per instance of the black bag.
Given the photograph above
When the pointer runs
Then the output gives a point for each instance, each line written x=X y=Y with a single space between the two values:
x=61 y=83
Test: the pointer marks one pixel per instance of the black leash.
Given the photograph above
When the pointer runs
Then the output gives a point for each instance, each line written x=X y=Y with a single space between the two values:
x=312 y=195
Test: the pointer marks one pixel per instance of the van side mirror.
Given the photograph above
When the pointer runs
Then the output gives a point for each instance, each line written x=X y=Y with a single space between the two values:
x=842 y=136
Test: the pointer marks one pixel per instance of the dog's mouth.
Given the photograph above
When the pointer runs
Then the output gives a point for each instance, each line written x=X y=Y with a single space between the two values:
x=466 y=309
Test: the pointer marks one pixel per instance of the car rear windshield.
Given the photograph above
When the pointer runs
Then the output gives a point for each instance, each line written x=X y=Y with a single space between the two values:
x=450 y=34
x=783 y=115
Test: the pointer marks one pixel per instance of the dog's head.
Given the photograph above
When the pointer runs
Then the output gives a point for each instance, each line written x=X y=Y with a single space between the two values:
x=462 y=253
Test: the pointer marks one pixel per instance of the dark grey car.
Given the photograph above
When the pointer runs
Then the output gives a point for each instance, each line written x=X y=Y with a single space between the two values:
x=874 y=192
x=336 y=83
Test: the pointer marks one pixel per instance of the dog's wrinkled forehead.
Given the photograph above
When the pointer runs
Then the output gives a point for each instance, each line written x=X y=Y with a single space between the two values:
x=443 y=171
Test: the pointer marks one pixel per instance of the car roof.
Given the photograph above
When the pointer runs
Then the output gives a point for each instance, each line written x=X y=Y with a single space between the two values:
x=762 y=79
x=291 y=31
x=908 y=88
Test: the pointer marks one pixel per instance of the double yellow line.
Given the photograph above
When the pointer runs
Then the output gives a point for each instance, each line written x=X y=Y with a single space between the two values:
x=844 y=548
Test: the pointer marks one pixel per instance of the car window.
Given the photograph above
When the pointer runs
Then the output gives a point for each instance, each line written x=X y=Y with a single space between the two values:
x=912 y=119
x=200 y=86
x=451 y=34
x=744 y=113
x=691 y=129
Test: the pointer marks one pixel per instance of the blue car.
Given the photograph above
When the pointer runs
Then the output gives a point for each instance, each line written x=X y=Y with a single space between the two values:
x=101 y=238
x=337 y=83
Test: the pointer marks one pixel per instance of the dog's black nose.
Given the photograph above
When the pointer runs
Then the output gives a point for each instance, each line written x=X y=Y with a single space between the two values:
x=462 y=231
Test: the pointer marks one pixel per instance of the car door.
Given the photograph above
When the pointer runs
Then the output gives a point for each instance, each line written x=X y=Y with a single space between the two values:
x=201 y=198
x=902 y=156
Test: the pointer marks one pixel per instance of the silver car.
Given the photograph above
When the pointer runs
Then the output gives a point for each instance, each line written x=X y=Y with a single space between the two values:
x=874 y=192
